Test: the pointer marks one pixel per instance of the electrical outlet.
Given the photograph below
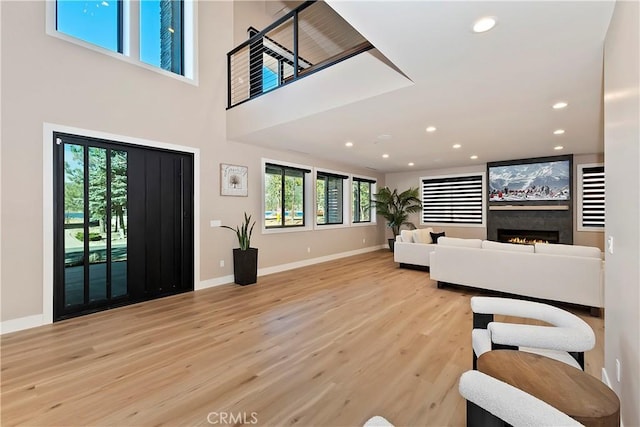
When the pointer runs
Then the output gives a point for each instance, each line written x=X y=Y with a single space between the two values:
x=215 y=223
x=618 y=370
x=309 y=250
x=221 y=263
x=364 y=241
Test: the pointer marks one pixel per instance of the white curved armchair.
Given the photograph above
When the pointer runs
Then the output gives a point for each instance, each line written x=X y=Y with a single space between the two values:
x=507 y=403
x=566 y=340
x=377 y=421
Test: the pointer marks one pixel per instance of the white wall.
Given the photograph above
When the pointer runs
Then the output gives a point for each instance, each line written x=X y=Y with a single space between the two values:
x=622 y=166
x=46 y=79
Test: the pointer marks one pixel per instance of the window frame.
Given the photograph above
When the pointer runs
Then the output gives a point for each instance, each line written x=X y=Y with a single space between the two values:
x=131 y=39
x=483 y=191
x=307 y=201
x=372 y=190
x=579 y=199
x=120 y=21
x=344 y=201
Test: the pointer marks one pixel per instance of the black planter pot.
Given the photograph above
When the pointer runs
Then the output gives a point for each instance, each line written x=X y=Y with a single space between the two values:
x=391 y=244
x=245 y=266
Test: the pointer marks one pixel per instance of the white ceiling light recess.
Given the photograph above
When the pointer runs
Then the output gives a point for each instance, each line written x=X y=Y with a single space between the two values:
x=485 y=24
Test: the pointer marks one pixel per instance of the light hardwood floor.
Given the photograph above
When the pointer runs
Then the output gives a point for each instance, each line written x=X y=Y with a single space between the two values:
x=327 y=345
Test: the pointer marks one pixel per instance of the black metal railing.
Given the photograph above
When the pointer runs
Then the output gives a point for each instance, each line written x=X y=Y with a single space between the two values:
x=305 y=40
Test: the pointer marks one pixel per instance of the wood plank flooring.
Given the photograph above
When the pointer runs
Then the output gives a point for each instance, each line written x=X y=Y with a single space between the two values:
x=327 y=345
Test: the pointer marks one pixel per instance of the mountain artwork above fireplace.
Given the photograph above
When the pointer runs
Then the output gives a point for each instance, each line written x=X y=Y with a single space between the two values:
x=543 y=179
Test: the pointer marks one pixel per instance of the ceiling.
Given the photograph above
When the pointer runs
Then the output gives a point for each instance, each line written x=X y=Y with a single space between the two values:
x=492 y=92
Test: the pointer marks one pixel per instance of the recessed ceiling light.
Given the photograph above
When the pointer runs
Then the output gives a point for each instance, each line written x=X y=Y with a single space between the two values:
x=558 y=131
x=559 y=105
x=558 y=147
x=431 y=129
x=456 y=146
x=348 y=144
x=484 y=24
x=474 y=157
x=411 y=163
x=385 y=156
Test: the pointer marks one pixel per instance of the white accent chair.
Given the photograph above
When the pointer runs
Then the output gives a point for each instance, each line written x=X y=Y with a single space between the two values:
x=566 y=340
x=377 y=421
x=507 y=403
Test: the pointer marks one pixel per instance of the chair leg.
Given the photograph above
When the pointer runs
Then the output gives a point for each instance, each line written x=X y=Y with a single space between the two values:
x=478 y=417
x=579 y=356
x=481 y=321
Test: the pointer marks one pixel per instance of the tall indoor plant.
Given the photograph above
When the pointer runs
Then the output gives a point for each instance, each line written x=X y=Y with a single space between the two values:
x=245 y=258
x=395 y=207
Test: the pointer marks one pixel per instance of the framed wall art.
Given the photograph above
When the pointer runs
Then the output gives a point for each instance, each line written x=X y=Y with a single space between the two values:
x=233 y=180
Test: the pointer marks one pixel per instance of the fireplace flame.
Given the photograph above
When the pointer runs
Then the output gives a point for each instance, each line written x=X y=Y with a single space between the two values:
x=525 y=241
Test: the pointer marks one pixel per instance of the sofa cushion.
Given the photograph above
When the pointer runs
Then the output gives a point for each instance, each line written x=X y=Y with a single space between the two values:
x=422 y=235
x=407 y=236
x=465 y=243
x=497 y=246
x=436 y=236
x=570 y=250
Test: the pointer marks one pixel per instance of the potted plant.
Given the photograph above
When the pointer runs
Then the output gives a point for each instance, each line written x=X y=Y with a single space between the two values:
x=395 y=208
x=245 y=258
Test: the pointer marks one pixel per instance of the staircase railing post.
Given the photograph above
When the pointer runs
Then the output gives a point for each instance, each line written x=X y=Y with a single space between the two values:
x=295 y=45
x=228 y=80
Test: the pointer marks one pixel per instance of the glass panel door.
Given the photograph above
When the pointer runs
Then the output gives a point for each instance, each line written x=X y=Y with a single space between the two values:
x=94 y=203
x=118 y=223
x=73 y=224
x=123 y=224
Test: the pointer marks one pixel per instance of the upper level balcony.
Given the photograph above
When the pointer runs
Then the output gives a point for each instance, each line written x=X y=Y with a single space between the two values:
x=277 y=70
x=305 y=40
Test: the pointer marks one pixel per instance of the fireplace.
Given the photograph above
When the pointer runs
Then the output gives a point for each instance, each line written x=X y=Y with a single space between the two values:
x=528 y=237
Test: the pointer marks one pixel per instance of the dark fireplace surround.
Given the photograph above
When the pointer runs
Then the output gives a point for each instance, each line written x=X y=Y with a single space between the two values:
x=534 y=221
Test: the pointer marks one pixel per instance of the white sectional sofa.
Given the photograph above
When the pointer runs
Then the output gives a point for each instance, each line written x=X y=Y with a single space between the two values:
x=412 y=248
x=565 y=273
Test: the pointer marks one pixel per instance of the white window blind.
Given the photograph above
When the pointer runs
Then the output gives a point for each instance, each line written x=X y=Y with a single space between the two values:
x=592 y=197
x=456 y=200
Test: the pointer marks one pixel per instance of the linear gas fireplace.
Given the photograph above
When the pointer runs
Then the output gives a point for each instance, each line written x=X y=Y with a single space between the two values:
x=528 y=237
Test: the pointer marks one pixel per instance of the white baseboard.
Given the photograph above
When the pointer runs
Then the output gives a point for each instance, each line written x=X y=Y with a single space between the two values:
x=605 y=378
x=217 y=281
x=21 y=323
x=304 y=263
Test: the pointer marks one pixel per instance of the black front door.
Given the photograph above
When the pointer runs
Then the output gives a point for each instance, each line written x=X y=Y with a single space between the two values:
x=123 y=224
